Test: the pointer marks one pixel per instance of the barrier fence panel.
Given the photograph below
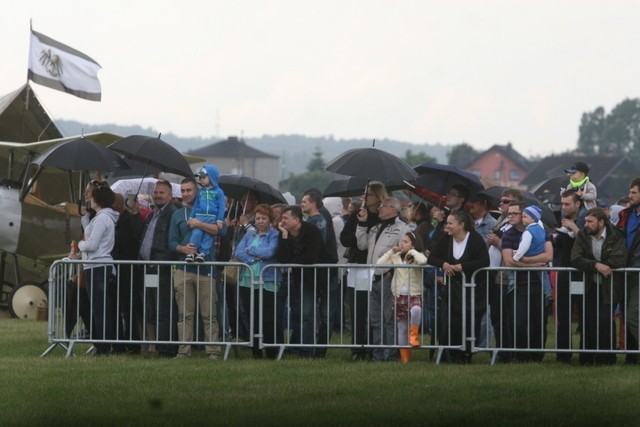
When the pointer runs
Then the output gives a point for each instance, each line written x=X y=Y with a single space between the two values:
x=141 y=306
x=536 y=311
x=304 y=312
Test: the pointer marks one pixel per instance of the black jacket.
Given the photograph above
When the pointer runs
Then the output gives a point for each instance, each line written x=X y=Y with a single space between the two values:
x=614 y=254
x=159 y=246
x=474 y=257
x=307 y=248
x=349 y=240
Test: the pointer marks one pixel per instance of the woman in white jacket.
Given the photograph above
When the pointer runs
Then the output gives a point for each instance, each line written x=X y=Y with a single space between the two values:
x=97 y=245
x=406 y=287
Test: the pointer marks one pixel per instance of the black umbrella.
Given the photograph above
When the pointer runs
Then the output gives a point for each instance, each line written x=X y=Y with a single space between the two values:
x=551 y=189
x=236 y=187
x=548 y=216
x=153 y=152
x=354 y=186
x=440 y=178
x=80 y=154
x=371 y=164
x=136 y=169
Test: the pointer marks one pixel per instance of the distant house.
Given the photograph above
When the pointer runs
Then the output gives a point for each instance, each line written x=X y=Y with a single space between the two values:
x=610 y=174
x=500 y=165
x=234 y=156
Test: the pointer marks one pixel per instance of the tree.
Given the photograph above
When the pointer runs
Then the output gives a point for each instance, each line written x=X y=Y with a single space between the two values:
x=461 y=155
x=622 y=129
x=317 y=161
x=591 y=131
x=418 y=158
x=616 y=133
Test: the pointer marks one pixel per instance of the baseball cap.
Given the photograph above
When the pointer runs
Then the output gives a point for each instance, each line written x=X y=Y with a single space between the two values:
x=578 y=166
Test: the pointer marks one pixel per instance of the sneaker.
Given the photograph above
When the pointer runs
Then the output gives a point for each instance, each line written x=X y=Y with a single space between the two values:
x=200 y=257
x=190 y=258
x=182 y=356
x=214 y=356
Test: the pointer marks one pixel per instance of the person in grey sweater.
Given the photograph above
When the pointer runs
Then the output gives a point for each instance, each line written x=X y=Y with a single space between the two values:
x=97 y=246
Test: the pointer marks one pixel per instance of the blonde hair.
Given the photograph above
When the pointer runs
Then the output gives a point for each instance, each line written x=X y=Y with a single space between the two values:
x=378 y=189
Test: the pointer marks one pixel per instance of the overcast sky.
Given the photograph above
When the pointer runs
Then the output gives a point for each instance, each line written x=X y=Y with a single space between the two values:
x=483 y=72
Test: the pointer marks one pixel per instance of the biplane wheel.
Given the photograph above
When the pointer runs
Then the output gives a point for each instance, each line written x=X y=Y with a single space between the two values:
x=25 y=299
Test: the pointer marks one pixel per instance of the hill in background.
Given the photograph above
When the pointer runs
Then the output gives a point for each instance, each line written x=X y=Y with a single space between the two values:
x=295 y=151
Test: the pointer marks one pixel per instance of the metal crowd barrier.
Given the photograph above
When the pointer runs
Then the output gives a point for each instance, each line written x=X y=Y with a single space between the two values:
x=137 y=310
x=307 y=309
x=315 y=318
x=529 y=319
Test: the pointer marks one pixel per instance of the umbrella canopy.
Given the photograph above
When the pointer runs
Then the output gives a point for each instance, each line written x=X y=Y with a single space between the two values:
x=548 y=216
x=354 y=186
x=153 y=152
x=145 y=185
x=80 y=154
x=371 y=164
x=551 y=189
x=136 y=169
x=236 y=187
x=440 y=178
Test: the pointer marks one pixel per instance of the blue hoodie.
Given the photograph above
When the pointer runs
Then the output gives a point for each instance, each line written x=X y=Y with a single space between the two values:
x=209 y=204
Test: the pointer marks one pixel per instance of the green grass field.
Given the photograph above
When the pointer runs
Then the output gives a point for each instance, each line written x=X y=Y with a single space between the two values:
x=144 y=390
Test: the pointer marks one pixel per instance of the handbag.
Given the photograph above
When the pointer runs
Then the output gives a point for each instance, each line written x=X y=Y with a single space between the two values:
x=231 y=272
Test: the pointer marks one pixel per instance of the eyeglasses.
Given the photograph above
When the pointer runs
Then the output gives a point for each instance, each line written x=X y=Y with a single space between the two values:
x=385 y=206
x=505 y=201
x=452 y=195
x=514 y=213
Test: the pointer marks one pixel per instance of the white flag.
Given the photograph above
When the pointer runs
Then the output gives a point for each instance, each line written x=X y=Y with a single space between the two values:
x=61 y=67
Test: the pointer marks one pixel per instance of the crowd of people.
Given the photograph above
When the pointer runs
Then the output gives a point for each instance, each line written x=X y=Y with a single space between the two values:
x=386 y=307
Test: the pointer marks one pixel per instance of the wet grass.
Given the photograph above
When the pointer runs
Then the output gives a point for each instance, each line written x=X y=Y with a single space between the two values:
x=144 y=390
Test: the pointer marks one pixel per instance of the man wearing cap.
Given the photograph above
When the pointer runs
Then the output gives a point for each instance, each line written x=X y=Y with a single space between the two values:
x=579 y=181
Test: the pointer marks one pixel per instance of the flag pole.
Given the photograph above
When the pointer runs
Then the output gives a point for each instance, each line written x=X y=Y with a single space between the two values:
x=26 y=104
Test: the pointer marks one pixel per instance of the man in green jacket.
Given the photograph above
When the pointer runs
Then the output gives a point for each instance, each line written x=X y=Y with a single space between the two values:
x=598 y=250
x=194 y=284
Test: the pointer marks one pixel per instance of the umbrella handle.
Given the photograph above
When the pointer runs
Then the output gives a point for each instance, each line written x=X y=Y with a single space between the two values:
x=146 y=169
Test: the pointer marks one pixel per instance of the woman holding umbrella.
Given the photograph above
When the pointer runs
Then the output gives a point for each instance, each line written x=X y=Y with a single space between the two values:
x=358 y=300
x=461 y=251
x=100 y=234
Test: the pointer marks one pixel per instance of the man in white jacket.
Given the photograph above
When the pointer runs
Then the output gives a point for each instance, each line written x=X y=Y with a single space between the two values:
x=377 y=241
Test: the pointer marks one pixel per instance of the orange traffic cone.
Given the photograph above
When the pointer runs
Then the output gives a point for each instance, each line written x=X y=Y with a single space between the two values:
x=404 y=355
x=414 y=336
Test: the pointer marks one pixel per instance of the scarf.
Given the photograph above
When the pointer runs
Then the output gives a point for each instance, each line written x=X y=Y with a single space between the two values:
x=578 y=184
